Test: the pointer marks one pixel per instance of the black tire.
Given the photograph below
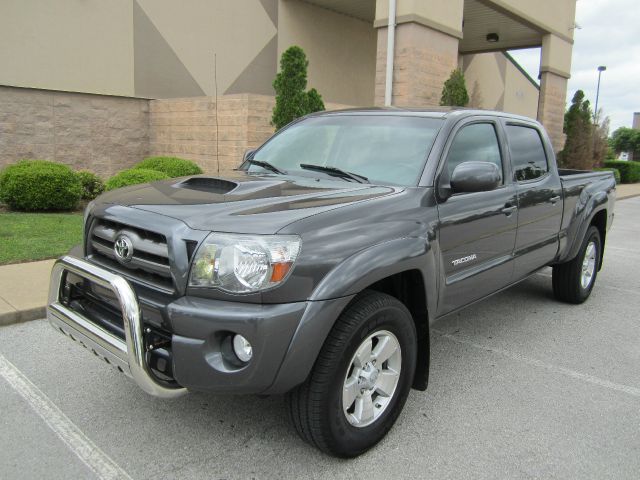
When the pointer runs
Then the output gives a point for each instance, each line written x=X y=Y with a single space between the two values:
x=315 y=407
x=567 y=286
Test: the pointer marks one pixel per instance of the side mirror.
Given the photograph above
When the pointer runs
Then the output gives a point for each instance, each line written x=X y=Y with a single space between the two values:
x=475 y=177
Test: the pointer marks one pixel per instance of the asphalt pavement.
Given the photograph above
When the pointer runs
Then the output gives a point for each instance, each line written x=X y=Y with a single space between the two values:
x=521 y=386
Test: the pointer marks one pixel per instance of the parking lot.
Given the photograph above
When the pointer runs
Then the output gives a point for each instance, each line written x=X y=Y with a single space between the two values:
x=521 y=386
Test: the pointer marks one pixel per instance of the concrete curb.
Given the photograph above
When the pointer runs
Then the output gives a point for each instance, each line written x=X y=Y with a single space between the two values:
x=21 y=316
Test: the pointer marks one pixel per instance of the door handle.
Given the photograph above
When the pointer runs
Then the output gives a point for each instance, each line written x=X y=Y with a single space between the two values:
x=553 y=200
x=509 y=209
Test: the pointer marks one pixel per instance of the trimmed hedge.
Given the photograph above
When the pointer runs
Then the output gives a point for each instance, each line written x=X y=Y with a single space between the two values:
x=92 y=186
x=171 y=166
x=39 y=185
x=629 y=171
x=134 y=176
x=616 y=172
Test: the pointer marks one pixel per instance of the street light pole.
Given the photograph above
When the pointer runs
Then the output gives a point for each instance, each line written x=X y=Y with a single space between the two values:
x=601 y=69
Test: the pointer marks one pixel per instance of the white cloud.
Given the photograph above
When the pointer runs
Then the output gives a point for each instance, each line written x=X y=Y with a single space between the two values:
x=608 y=36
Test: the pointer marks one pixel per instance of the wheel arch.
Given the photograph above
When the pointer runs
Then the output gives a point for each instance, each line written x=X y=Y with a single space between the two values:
x=408 y=287
x=599 y=220
x=400 y=268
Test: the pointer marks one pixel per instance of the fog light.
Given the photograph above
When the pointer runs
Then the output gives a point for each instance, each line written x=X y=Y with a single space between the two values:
x=242 y=348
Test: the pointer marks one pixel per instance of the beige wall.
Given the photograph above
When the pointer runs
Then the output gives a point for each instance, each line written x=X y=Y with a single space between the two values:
x=72 y=45
x=553 y=16
x=499 y=83
x=102 y=133
x=194 y=30
x=556 y=55
x=521 y=96
x=341 y=50
x=442 y=15
x=145 y=48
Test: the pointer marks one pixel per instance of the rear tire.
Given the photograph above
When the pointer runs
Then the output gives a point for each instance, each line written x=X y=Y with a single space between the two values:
x=353 y=396
x=573 y=281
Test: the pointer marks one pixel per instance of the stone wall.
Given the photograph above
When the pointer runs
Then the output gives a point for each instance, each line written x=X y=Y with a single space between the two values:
x=423 y=60
x=106 y=134
x=551 y=107
x=186 y=128
x=102 y=133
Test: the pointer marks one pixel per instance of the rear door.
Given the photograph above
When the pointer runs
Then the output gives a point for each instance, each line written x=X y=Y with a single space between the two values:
x=539 y=198
x=477 y=231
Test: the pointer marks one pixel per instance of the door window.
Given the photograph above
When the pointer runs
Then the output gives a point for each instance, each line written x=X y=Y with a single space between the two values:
x=474 y=143
x=527 y=153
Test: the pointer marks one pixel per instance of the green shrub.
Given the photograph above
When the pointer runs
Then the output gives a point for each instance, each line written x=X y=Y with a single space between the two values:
x=629 y=171
x=616 y=172
x=39 y=185
x=454 y=91
x=172 y=166
x=292 y=98
x=92 y=186
x=134 y=176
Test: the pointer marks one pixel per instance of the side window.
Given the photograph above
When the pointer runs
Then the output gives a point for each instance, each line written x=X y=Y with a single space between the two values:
x=528 y=157
x=476 y=142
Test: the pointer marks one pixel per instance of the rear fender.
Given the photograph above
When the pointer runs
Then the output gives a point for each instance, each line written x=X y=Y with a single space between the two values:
x=579 y=224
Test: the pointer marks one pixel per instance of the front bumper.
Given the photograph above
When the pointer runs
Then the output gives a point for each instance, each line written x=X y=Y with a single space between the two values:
x=127 y=355
x=286 y=338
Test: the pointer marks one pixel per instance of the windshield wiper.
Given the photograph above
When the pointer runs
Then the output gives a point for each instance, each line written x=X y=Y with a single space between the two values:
x=265 y=165
x=335 y=171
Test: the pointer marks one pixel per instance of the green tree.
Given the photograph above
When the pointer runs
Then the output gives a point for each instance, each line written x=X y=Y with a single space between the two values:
x=600 y=141
x=454 y=92
x=578 y=147
x=292 y=99
x=626 y=140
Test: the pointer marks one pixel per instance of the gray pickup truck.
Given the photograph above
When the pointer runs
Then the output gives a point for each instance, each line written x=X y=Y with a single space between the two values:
x=316 y=269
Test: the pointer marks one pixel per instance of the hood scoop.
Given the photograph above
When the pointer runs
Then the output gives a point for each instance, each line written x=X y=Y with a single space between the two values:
x=208 y=185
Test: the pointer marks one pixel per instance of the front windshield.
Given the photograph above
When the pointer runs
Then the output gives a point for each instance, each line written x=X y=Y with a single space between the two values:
x=386 y=149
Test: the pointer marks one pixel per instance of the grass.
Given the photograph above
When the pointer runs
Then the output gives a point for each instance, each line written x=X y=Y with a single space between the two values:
x=26 y=237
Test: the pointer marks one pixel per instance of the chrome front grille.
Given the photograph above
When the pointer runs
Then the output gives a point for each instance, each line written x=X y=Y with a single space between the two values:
x=150 y=259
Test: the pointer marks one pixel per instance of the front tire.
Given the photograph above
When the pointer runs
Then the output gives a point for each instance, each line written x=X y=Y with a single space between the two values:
x=573 y=281
x=361 y=379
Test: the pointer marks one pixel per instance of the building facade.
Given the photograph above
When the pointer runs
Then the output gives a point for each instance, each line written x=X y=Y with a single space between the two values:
x=203 y=49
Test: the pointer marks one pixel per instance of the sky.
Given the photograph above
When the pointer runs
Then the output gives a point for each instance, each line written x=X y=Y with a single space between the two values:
x=609 y=35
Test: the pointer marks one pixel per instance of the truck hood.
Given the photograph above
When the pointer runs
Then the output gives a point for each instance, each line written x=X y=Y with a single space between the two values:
x=242 y=202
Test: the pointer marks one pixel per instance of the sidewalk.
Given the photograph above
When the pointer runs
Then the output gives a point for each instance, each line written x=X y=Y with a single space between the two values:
x=628 y=190
x=23 y=291
x=24 y=286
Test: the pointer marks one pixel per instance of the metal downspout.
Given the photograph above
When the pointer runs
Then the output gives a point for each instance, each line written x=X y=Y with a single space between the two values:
x=391 y=38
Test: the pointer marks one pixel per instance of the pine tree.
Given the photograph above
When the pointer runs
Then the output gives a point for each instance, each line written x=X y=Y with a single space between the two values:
x=578 y=147
x=454 y=92
x=292 y=99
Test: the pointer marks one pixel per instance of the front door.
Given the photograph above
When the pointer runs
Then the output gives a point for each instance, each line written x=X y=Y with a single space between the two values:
x=477 y=230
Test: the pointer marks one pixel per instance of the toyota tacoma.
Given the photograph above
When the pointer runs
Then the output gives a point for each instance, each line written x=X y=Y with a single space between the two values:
x=317 y=267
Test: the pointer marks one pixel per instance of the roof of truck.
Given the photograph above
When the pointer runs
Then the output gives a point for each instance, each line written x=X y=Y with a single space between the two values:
x=432 y=112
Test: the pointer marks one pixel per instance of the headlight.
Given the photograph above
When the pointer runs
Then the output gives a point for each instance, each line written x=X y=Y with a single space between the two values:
x=243 y=263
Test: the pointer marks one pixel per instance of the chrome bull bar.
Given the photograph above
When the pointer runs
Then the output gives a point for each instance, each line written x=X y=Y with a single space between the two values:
x=128 y=355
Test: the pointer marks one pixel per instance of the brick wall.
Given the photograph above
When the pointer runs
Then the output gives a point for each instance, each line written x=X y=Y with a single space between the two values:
x=102 y=133
x=423 y=60
x=551 y=107
x=186 y=128
x=106 y=134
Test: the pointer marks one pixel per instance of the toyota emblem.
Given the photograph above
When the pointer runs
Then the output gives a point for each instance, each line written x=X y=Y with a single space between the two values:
x=123 y=249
